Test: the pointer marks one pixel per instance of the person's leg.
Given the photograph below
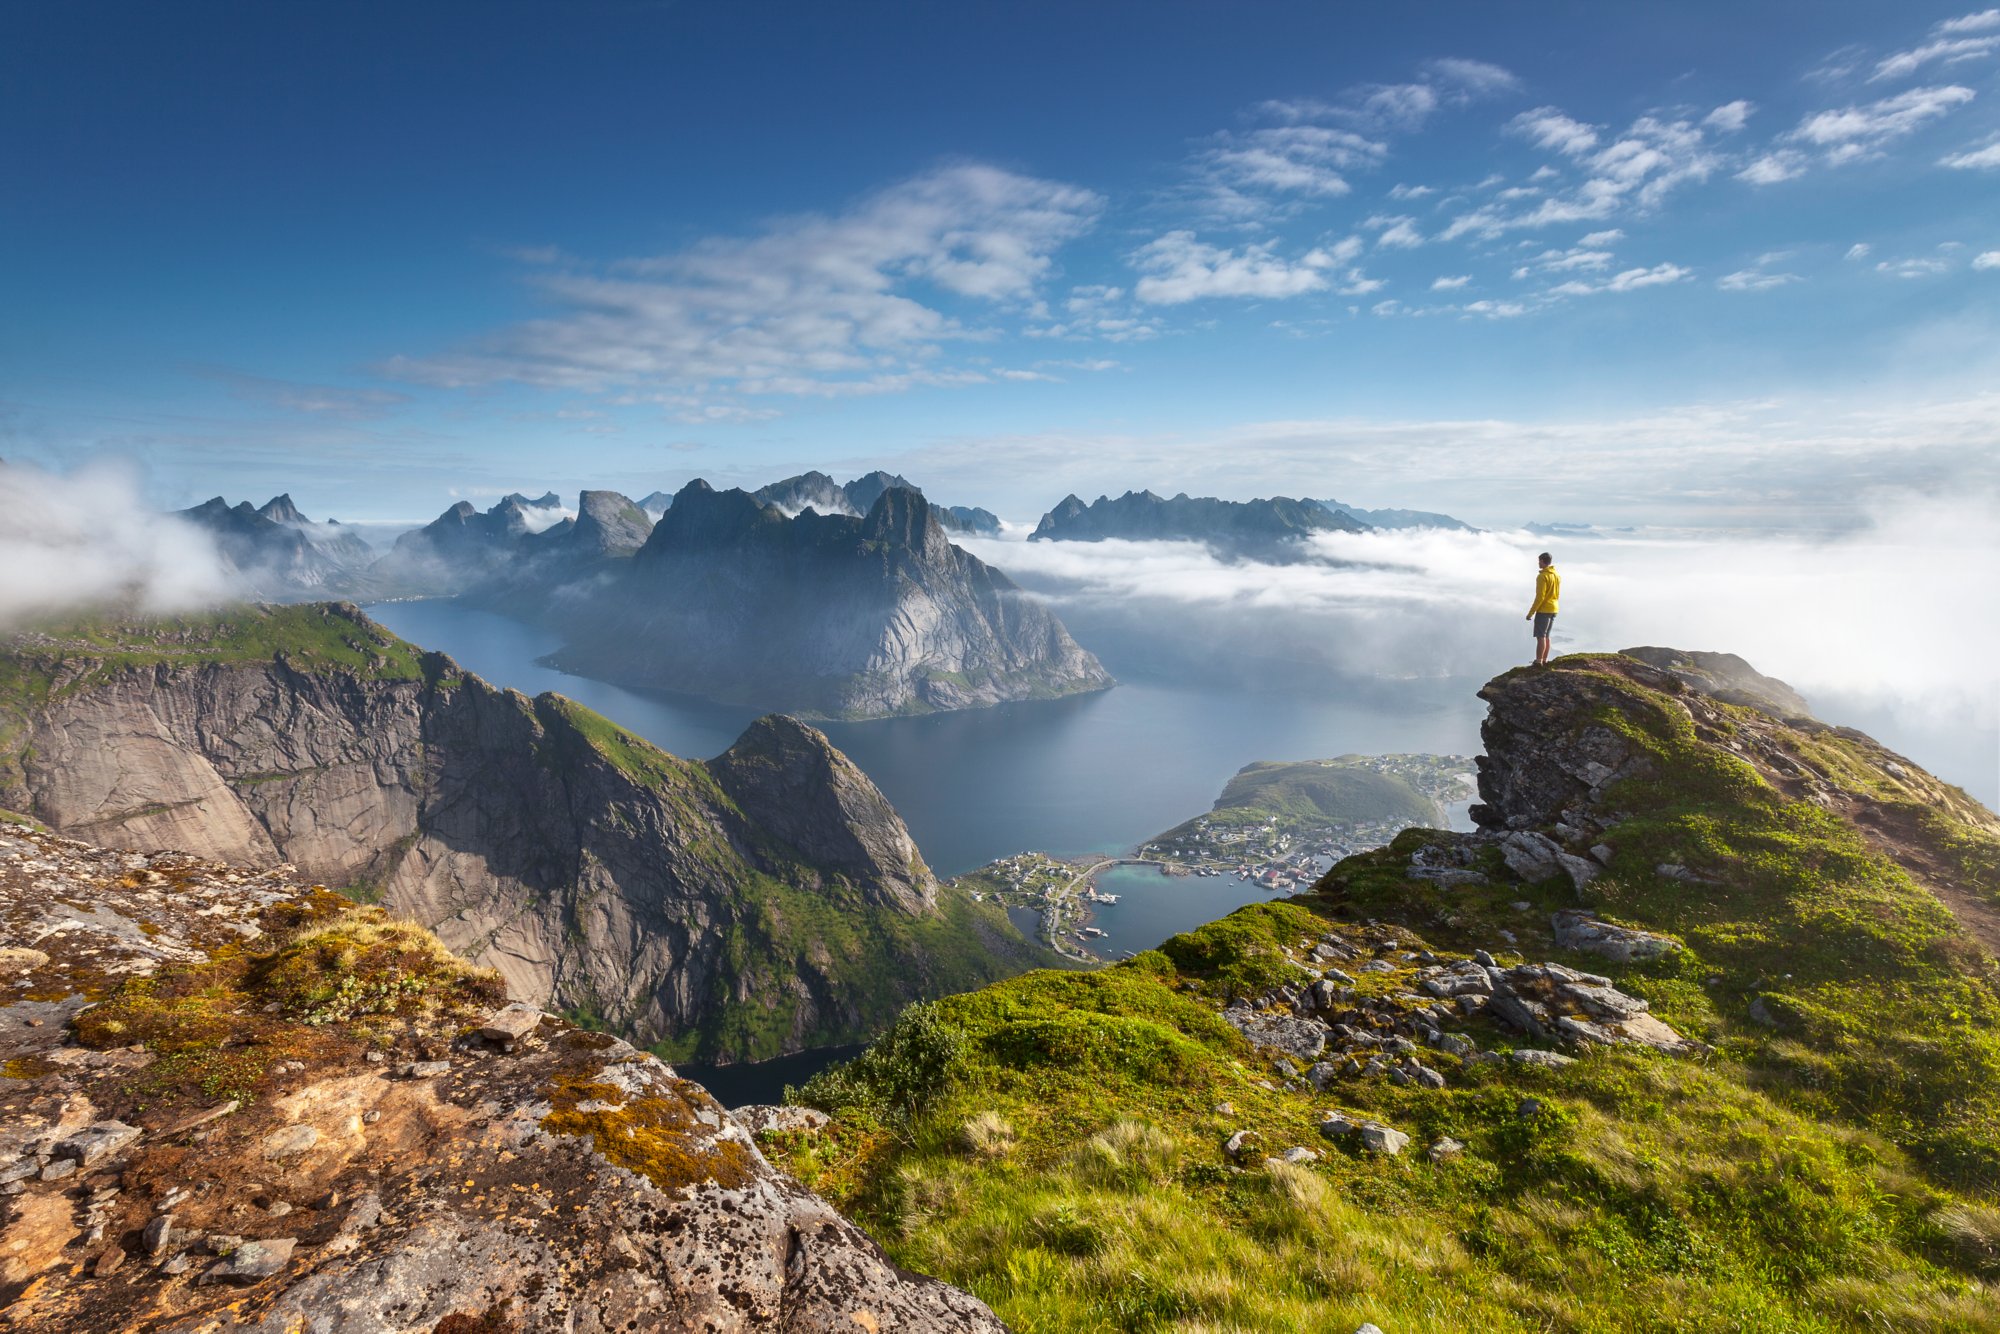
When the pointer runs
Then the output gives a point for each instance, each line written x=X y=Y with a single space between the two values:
x=1541 y=651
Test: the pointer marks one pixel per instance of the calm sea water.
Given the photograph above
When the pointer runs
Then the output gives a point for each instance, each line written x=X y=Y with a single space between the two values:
x=1096 y=773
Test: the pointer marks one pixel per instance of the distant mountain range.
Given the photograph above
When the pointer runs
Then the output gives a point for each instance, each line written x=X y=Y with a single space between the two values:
x=1389 y=518
x=737 y=596
x=278 y=552
x=1260 y=529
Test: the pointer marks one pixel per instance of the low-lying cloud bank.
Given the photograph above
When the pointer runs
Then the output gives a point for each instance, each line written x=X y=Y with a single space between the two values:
x=89 y=538
x=1894 y=614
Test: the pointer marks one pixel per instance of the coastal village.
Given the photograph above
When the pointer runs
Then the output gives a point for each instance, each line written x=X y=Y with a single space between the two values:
x=1279 y=842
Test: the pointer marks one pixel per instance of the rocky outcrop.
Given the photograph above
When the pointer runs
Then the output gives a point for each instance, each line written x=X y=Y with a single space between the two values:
x=1726 y=677
x=767 y=901
x=1263 y=529
x=822 y=615
x=372 y=1172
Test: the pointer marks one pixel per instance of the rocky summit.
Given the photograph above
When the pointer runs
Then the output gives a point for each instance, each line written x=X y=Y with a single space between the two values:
x=234 y=1101
x=759 y=903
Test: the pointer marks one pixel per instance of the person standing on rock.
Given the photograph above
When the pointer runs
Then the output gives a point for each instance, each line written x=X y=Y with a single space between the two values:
x=1548 y=587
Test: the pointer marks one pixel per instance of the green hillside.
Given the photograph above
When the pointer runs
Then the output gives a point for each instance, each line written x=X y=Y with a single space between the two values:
x=1345 y=789
x=1826 y=1158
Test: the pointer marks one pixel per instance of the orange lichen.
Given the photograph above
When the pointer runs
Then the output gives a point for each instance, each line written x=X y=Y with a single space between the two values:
x=658 y=1136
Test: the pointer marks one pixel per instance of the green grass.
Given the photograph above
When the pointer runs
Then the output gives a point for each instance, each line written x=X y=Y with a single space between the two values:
x=1053 y=1142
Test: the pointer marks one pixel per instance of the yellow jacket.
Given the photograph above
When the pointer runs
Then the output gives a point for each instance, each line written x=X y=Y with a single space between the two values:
x=1548 y=587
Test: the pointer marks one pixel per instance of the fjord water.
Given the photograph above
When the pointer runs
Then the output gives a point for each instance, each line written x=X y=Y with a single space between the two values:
x=1093 y=773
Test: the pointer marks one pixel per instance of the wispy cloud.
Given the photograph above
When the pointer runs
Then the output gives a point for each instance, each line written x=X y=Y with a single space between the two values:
x=313 y=400
x=1952 y=42
x=1984 y=158
x=854 y=302
x=1987 y=260
x=1451 y=284
x=1755 y=280
x=1627 y=280
x=1851 y=132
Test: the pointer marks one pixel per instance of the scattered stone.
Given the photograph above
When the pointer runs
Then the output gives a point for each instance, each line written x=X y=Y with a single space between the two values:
x=178 y=1265
x=422 y=1069
x=109 y=1262
x=1761 y=1013
x=1528 y=1107
x=374 y=1057
x=1223 y=1109
x=289 y=1141
x=1445 y=1149
x=215 y=1113
x=1521 y=905
x=59 y=1168
x=1299 y=1156
x=158 y=1236
x=20 y=959
x=1382 y=1139
x=1239 y=1143
x=278 y=1209
x=371 y=1116
x=252 y=1262
x=1378 y=966
x=96 y=1142
x=1546 y=1060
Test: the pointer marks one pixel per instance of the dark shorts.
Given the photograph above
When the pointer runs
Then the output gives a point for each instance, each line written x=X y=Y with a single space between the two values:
x=1543 y=620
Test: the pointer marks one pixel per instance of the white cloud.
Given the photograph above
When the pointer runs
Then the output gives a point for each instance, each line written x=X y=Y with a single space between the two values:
x=1635 y=171
x=1410 y=191
x=1495 y=310
x=1852 y=131
x=1602 y=238
x=1301 y=159
x=823 y=304
x=1397 y=233
x=1944 y=51
x=1451 y=284
x=1730 y=116
x=1785 y=164
x=1179 y=268
x=1859 y=250
x=1987 y=259
x=1471 y=78
x=1628 y=280
x=1097 y=311
x=1577 y=257
x=90 y=539
x=1547 y=127
x=1974 y=159
x=1912 y=268
x=1985 y=20
x=1754 y=280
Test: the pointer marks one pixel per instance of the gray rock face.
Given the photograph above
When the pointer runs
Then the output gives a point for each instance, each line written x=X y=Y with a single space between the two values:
x=588 y=867
x=789 y=779
x=1540 y=766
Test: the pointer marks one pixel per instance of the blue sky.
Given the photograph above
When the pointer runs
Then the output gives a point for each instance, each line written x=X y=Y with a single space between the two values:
x=1695 y=263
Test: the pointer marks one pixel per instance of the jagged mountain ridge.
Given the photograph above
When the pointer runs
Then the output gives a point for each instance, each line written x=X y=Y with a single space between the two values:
x=275 y=550
x=1264 y=529
x=766 y=901
x=825 y=615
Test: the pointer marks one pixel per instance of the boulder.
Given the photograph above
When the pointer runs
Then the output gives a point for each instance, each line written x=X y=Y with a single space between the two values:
x=1301 y=1038
x=252 y=1262
x=1575 y=930
x=95 y=1142
x=511 y=1023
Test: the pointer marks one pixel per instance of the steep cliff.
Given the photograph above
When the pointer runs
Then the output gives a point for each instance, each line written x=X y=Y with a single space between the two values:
x=768 y=901
x=825 y=615
x=1699 y=1031
x=234 y=1101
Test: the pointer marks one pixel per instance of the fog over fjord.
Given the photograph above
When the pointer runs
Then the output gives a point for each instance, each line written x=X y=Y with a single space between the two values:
x=1884 y=626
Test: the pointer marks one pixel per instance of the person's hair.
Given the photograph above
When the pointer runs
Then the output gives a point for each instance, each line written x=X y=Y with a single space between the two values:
x=1546 y=559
